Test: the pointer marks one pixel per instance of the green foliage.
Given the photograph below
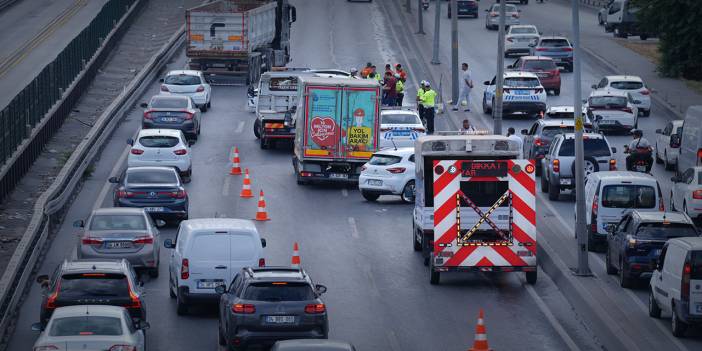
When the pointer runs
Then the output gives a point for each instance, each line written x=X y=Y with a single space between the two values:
x=677 y=22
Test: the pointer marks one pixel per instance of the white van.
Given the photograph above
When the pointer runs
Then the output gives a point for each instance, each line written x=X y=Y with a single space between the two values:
x=609 y=194
x=210 y=252
x=676 y=284
x=691 y=143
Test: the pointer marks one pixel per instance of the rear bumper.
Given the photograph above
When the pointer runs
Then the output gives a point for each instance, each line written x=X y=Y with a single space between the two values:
x=485 y=268
x=617 y=126
x=172 y=210
x=469 y=12
x=246 y=337
x=683 y=312
x=144 y=258
x=189 y=297
x=186 y=127
x=389 y=187
x=523 y=107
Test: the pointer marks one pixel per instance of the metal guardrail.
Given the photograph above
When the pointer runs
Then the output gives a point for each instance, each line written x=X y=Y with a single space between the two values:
x=52 y=204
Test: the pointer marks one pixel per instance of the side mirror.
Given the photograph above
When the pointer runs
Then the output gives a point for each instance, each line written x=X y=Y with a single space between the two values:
x=594 y=86
x=263 y=242
x=320 y=289
x=659 y=131
x=79 y=223
x=487 y=82
x=160 y=223
x=524 y=132
x=144 y=105
x=130 y=141
x=220 y=289
x=160 y=80
x=37 y=327
x=113 y=180
x=143 y=325
x=168 y=243
x=42 y=279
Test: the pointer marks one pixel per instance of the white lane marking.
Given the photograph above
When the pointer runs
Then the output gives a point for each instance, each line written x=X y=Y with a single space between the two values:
x=344 y=192
x=227 y=184
x=354 y=228
x=239 y=127
x=394 y=341
x=552 y=319
x=113 y=173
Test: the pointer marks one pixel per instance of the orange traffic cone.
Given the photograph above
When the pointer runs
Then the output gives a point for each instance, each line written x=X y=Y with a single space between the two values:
x=261 y=214
x=481 y=342
x=236 y=169
x=246 y=188
x=295 y=262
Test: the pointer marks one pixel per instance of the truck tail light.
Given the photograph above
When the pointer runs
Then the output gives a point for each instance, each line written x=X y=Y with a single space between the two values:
x=397 y=170
x=315 y=308
x=697 y=194
x=184 y=269
x=612 y=165
x=200 y=89
x=685 y=282
x=164 y=88
x=556 y=165
x=180 y=152
x=137 y=151
x=243 y=308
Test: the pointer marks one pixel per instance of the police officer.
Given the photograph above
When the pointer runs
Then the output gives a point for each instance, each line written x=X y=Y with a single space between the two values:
x=420 y=107
x=429 y=101
x=400 y=89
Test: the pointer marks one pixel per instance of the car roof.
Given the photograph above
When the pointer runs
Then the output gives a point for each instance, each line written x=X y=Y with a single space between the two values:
x=267 y=274
x=678 y=122
x=536 y=58
x=150 y=168
x=165 y=131
x=119 y=211
x=623 y=176
x=690 y=242
x=400 y=151
x=313 y=345
x=552 y=122
x=189 y=72
x=585 y=135
x=170 y=97
x=217 y=224
x=82 y=310
x=607 y=92
x=625 y=78
x=522 y=26
x=520 y=74
x=92 y=265
x=399 y=111
x=649 y=216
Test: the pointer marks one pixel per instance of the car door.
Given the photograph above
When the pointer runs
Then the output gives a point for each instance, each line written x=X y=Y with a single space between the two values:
x=663 y=139
x=680 y=188
x=657 y=289
x=206 y=84
x=529 y=141
x=620 y=232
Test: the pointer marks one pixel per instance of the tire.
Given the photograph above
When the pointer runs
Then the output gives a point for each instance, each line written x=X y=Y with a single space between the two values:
x=531 y=277
x=624 y=280
x=416 y=245
x=486 y=110
x=537 y=169
x=170 y=289
x=544 y=183
x=409 y=188
x=203 y=108
x=220 y=338
x=554 y=191
x=182 y=307
x=659 y=160
x=608 y=264
x=257 y=129
x=684 y=209
x=557 y=92
x=667 y=165
x=676 y=325
x=646 y=113
x=569 y=68
x=591 y=244
x=600 y=21
x=209 y=103
x=263 y=143
x=153 y=272
x=643 y=36
x=653 y=309
x=371 y=197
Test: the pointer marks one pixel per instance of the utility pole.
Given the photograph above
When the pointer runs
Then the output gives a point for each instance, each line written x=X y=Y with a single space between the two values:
x=408 y=7
x=583 y=268
x=454 y=50
x=437 y=27
x=420 y=18
x=500 y=78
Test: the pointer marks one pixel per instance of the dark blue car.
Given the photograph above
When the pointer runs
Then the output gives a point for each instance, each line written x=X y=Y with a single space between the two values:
x=158 y=190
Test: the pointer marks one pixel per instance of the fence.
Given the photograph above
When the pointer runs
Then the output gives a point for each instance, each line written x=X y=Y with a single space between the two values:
x=31 y=118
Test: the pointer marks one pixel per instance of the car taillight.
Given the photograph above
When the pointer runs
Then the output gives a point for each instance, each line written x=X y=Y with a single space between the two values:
x=180 y=152
x=661 y=204
x=51 y=299
x=566 y=49
x=261 y=262
x=699 y=155
x=164 y=87
x=135 y=302
x=243 y=308
x=555 y=72
x=541 y=49
x=556 y=166
x=645 y=92
x=631 y=241
x=144 y=240
x=180 y=194
x=45 y=348
x=515 y=15
x=612 y=165
x=685 y=282
x=538 y=142
x=396 y=170
x=86 y=240
x=184 y=269
x=419 y=130
x=315 y=308
x=595 y=206
x=697 y=194
x=494 y=14
x=124 y=193
x=200 y=89
x=137 y=151
x=627 y=109
x=188 y=115
x=122 y=348
x=147 y=115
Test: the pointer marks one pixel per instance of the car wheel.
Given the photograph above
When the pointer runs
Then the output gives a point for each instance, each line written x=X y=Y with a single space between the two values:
x=544 y=183
x=685 y=208
x=486 y=109
x=679 y=327
x=417 y=245
x=434 y=277
x=672 y=202
x=220 y=336
x=554 y=191
x=263 y=143
x=153 y=272
x=658 y=156
x=557 y=92
x=209 y=104
x=257 y=128
x=537 y=169
x=369 y=196
x=203 y=108
x=570 y=68
x=590 y=240
x=408 y=192
x=624 y=280
x=170 y=288
x=531 y=277
x=608 y=264
x=646 y=113
x=182 y=308
x=600 y=21
x=643 y=36
x=653 y=309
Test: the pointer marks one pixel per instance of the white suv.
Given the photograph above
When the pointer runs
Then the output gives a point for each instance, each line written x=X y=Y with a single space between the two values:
x=523 y=93
x=612 y=111
x=161 y=147
x=388 y=172
x=520 y=39
x=630 y=84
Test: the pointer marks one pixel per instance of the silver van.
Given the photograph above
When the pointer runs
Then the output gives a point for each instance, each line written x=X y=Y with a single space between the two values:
x=691 y=143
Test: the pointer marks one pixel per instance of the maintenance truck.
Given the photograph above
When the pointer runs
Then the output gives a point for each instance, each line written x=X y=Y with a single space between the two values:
x=336 y=124
x=234 y=41
x=474 y=205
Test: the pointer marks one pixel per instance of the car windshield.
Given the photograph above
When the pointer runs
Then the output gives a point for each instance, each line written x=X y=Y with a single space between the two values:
x=665 y=230
x=279 y=291
x=540 y=65
x=607 y=101
x=118 y=222
x=87 y=285
x=399 y=118
x=384 y=160
x=169 y=102
x=158 y=141
x=628 y=196
x=626 y=85
x=554 y=43
x=594 y=147
x=561 y=114
x=86 y=325
x=152 y=176
x=523 y=30
x=182 y=79
x=508 y=8
x=550 y=132
x=522 y=82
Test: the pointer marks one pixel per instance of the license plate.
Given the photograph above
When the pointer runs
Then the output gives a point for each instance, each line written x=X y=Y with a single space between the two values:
x=209 y=284
x=280 y=319
x=168 y=119
x=118 y=244
x=521 y=92
x=640 y=168
x=153 y=209
x=401 y=132
x=565 y=181
x=375 y=182
x=606 y=122
x=338 y=175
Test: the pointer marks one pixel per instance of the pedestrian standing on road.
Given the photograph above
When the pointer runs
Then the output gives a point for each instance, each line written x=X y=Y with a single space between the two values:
x=467 y=127
x=400 y=89
x=420 y=107
x=377 y=75
x=389 y=89
x=401 y=72
x=512 y=136
x=466 y=87
x=388 y=68
x=366 y=70
x=429 y=102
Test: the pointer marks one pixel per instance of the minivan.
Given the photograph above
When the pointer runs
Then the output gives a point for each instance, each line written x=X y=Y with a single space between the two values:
x=608 y=194
x=676 y=284
x=209 y=252
x=691 y=143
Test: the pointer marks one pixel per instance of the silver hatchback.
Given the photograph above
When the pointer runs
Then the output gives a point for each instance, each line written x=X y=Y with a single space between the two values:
x=115 y=233
x=492 y=19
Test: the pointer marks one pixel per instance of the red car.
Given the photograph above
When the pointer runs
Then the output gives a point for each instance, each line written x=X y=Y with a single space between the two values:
x=544 y=68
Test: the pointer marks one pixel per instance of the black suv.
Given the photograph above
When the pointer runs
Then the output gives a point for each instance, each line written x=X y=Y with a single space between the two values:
x=264 y=305
x=92 y=282
x=634 y=244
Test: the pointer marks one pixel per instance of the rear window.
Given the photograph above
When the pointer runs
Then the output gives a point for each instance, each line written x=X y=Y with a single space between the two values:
x=182 y=79
x=399 y=118
x=665 y=231
x=523 y=30
x=118 y=222
x=541 y=65
x=159 y=141
x=136 y=176
x=86 y=285
x=283 y=84
x=607 y=101
x=554 y=43
x=384 y=160
x=522 y=82
x=279 y=291
x=86 y=325
x=628 y=196
x=169 y=102
x=550 y=132
x=593 y=148
x=626 y=85
x=508 y=8
x=696 y=263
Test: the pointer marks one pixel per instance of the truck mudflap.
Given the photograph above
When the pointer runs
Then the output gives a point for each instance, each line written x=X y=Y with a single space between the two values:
x=328 y=171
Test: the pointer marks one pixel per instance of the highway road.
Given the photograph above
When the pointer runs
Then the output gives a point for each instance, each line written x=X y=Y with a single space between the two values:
x=379 y=295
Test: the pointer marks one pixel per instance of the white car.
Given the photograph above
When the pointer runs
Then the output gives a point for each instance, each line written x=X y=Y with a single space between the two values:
x=668 y=143
x=631 y=84
x=161 y=147
x=612 y=111
x=91 y=327
x=189 y=83
x=523 y=93
x=400 y=128
x=519 y=39
x=686 y=193
x=389 y=172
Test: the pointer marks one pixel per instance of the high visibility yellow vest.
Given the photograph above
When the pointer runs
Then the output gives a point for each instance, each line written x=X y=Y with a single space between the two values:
x=428 y=98
x=399 y=87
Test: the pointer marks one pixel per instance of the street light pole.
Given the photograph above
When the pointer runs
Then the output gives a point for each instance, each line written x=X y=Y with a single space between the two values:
x=420 y=18
x=437 y=27
x=583 y=268
x=408 y=6
x=454 y=51
x=500 y=78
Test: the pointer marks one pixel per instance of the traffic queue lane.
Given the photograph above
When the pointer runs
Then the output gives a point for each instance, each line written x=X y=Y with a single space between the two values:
x=379 y=296
x=478 y=47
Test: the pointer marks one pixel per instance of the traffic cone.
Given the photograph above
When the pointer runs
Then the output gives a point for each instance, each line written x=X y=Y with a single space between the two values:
x=236 y=169
x=246 y=188
x=481 y=342
x=295 y=262
x=261 y=214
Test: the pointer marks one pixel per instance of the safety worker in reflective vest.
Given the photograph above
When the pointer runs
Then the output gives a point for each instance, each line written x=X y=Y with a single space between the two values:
x=420 y=107
x=400 y=88
x=429 y=101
